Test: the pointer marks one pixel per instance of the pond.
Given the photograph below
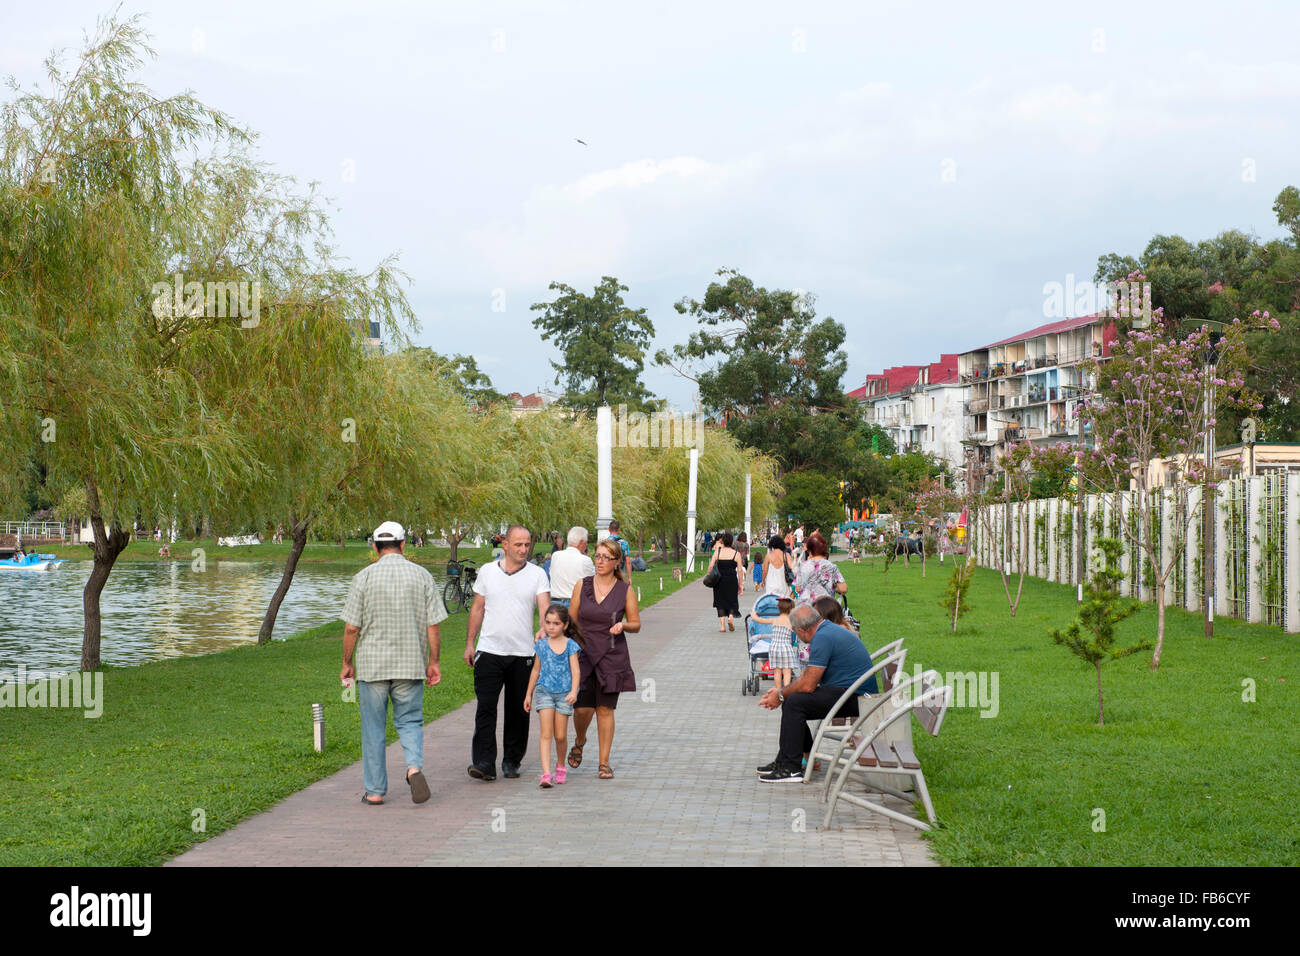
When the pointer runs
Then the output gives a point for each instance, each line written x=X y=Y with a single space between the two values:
x=158 y=610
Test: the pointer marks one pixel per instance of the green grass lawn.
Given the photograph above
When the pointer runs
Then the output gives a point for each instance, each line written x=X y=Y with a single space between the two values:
x=228 y=734
x=1186 y=772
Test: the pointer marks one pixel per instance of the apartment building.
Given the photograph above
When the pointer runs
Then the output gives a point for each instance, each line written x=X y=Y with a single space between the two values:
x=1027 y=387
x=921 y=407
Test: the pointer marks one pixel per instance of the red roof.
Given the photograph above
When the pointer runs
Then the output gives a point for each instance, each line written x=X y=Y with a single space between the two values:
x=1051 y=328
x=944 y=370
x=859 y=392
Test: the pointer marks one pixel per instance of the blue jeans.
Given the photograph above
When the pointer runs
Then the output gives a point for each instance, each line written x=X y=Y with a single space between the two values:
x=408 y=718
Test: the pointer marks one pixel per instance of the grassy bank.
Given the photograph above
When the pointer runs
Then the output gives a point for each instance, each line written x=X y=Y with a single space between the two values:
x=1185 y=771
x=228 y=734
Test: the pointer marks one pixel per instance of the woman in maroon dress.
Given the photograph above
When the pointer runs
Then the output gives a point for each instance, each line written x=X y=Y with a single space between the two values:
x=605 y=608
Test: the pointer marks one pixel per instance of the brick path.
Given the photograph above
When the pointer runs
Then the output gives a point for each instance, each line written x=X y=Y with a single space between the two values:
x=685 y=791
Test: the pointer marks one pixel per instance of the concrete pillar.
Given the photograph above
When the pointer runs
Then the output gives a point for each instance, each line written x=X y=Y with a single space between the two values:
x=748 y=488
x=604 y=473
x=690 y=511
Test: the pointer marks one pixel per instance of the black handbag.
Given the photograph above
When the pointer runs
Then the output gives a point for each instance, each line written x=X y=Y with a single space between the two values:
x=713 y=577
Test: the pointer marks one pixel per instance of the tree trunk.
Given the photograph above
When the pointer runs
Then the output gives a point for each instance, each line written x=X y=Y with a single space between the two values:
x=299 y=533
x=956 y=610
x=343 y=540
x=1160 y=624
x=1101 y=703
x=106 y=547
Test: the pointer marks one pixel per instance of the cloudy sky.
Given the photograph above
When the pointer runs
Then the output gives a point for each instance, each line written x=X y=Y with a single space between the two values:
x=923 y=169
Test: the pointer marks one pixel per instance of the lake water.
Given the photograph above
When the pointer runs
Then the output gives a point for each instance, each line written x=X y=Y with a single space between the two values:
x=157 y=610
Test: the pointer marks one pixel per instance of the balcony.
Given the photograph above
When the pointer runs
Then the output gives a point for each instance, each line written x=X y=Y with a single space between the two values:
x=977 y=406
x=1013 y=433
x=1058 y=428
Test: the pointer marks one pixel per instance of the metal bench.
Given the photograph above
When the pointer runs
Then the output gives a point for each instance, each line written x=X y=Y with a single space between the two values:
x=873 y=757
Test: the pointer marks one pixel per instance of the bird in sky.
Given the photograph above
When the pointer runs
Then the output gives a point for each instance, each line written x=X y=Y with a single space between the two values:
x=576 y=140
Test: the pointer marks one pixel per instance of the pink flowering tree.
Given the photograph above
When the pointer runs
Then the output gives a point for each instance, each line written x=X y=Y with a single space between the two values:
x=1151 y=408
x=931 y=502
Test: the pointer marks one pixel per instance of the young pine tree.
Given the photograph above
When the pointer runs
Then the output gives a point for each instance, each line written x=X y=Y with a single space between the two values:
x=1092 y=635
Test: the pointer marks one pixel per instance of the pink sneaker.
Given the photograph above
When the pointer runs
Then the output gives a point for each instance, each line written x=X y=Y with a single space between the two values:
x=546 y=781
x=560 y=773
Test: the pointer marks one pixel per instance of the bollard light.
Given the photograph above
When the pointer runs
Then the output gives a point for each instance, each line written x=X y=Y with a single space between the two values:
x=318 y=727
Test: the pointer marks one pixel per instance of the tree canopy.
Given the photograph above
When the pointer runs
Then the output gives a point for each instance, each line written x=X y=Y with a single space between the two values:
x=603 y=342
x=777 y=381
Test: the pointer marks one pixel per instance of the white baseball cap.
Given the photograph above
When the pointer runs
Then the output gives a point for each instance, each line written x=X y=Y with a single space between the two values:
x=389 y=531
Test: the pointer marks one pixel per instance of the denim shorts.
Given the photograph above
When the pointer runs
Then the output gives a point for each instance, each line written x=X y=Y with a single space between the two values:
x=544 y=699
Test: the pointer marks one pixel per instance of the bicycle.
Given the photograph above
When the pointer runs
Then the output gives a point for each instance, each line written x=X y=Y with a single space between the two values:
x=458 y=593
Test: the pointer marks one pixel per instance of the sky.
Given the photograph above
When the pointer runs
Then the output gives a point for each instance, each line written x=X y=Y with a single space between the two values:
x=922 y=170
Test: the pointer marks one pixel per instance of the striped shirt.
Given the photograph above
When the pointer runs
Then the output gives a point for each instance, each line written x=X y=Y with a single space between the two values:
x=393 y=602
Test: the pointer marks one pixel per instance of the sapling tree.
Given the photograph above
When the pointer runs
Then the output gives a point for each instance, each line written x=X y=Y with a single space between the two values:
x=1092 y=635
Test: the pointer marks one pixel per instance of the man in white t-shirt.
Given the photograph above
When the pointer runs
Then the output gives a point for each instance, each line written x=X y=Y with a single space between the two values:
x=570 y=566
x=505 y=594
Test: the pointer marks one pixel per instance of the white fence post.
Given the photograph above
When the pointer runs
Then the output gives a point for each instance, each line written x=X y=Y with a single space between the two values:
x=1254 y=548
x=1291 y=578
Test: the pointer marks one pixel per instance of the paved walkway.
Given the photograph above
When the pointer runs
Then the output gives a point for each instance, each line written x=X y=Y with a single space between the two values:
x=685 y=790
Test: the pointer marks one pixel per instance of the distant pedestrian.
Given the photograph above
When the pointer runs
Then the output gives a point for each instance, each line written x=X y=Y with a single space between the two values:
x=742 y=548
x=555 y=679
x=506 y=592
x=776 y=565
x=731 y=583
x=570 y=566
x=818 y=576
x=391 y=644
x=626 y=549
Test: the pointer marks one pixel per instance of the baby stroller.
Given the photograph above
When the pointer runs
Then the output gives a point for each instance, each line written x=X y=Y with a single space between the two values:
x=849 y=619
x=757 y=644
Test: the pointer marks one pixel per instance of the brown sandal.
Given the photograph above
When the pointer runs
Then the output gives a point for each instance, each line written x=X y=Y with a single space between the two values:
x=575 y=757
x=605 y=772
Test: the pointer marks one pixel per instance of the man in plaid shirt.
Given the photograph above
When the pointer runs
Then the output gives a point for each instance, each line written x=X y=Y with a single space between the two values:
x=392 y=613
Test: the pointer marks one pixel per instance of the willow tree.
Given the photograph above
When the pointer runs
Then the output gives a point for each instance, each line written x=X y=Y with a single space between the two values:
x=105 y=392
x=317 y=414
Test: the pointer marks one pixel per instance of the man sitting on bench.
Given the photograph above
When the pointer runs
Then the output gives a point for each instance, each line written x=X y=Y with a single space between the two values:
x=836 y=658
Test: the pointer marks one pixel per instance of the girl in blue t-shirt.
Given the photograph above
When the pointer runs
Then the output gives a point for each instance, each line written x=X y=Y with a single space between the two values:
x=555 y=679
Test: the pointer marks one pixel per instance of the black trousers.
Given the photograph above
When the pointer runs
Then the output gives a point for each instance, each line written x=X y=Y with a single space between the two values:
x=798 y=709
x=492 y=672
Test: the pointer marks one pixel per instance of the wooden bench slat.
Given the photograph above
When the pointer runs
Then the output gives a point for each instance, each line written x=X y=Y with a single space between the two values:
x=884 y=756
x=907 y=755
x=868 y=759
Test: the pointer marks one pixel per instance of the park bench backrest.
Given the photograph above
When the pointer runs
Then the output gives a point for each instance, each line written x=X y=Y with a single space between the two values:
x=933 y=705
